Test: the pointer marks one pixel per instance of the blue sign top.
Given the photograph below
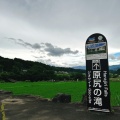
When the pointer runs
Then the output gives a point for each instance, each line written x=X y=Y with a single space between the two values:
x=96 y=45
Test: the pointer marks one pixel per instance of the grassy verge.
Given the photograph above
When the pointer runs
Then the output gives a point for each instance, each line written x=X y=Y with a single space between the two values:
x=46 y=89
x=115 y=93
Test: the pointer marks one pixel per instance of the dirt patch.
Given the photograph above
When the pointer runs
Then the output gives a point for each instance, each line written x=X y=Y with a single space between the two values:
x=13 y=101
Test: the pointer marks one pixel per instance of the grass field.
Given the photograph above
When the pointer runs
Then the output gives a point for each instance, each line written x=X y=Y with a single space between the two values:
x=50 y=89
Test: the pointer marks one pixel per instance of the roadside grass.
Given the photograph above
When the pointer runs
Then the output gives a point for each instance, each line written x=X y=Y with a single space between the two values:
x=46 y=89
x=115 y=93
x=50 y=89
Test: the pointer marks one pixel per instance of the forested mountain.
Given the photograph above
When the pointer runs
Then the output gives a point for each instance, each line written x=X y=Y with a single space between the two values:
x=21 y=70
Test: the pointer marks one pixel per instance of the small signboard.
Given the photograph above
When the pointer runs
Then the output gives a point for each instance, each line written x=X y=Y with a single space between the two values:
x=97 y=73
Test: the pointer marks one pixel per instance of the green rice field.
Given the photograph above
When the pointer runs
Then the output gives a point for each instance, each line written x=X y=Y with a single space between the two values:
x=50 y=89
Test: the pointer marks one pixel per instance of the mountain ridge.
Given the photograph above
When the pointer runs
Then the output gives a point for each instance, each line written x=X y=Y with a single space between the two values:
x=111 y=67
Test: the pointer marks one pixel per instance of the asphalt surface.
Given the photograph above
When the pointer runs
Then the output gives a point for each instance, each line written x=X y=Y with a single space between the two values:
x=34 y=108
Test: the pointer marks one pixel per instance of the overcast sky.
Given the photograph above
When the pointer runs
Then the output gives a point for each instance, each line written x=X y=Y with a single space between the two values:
x=55 y=31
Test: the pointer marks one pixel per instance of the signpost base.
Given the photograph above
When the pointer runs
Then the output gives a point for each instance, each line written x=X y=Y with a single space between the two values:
x=99 y=110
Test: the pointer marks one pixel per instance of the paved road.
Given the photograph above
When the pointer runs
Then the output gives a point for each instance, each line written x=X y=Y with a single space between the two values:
x=30 y=108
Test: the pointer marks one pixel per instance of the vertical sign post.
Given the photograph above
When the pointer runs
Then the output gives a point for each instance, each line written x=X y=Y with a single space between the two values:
x=97 y=73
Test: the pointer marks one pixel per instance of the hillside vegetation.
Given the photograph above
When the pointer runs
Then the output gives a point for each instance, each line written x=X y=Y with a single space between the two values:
x=12 y=70
x=21 y=70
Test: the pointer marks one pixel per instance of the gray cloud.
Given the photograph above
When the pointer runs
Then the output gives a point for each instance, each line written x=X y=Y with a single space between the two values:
x=112 y=57
x=57 y=51
x=46 y=61
x=40 y=57
x=115 y=56
x=36 y=46
x=26 y=44
x=20 y=40
x=46 y=47
x=118 y=58
x=12 y=39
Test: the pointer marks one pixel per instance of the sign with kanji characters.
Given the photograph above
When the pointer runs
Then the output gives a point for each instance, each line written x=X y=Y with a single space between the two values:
x=97 y=73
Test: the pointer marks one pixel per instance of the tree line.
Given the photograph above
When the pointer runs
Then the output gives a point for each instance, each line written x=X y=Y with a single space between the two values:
x=21 y=70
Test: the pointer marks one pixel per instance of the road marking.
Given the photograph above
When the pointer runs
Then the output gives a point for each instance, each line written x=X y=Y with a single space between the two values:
x=3 y=111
